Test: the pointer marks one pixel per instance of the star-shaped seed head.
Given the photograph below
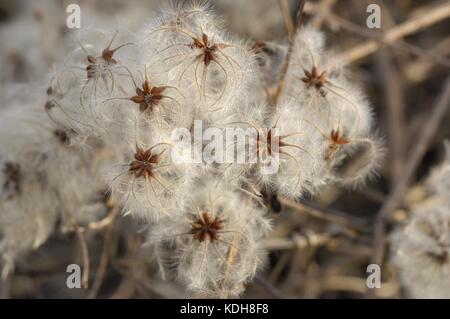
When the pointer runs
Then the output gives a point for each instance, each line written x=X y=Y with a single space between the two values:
x=209 y=51
x=336 y=140
x=206 y=228
x=315 y=80
x=148 y=97
x=144 y=163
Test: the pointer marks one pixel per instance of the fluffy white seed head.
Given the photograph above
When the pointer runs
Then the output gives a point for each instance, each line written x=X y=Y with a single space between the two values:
x=439 y=180
x=421 y=252
x=111 y=109
x=145 y=179
x=215 y=238
x=209 y=67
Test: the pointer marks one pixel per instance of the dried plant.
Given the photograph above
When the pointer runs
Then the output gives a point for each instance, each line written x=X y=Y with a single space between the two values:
x=108 y=119
x=421 y=247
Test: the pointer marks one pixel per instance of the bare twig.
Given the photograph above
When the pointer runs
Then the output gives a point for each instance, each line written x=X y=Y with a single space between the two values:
x=5 y=286
x=420 y=69
x=105 y=221
x=357 y=285
x=406 y=28
x=281 y=264
x=232 y=252
x=84 y=255
x=103 y=266
x=287 y=60
x=104 y=259
x=323 y=213
x=286 y=17
x=231 y=259
x=395 y=111
x=322 y=12
x=397 y=194
x=269 y=287
x=297 y=242
x=125 y=290
x=400 y=44
x=372 y=194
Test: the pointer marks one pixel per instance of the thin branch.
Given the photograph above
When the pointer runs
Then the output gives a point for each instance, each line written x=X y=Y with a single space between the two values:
x=357 y=285
x=408 y=27
x=105 y=221
x=84 y=255
x=297 y=242
x=104 y=259
x=5 y=286
x=275 y=292
x=285 y=66
x=420 y=69
x=232 y=252
x=322 y=13
x=280 y=265
x=395 y=111
x=378 y=37
x=397 y=194
x=284 y=7
x=125 y=290
x=372 y=194
x=330 y=215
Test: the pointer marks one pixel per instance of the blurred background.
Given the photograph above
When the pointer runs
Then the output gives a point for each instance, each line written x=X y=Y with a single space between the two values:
x=320 y=247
